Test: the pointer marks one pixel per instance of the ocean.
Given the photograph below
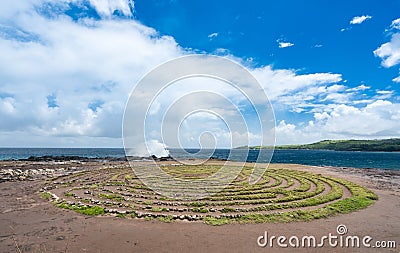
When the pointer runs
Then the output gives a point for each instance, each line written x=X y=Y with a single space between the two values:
x=379 y=160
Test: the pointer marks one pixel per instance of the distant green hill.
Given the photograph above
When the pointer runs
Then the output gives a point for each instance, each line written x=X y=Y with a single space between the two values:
x=347 y=145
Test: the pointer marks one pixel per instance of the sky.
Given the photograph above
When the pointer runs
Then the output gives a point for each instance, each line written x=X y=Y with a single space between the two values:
x=331 y=69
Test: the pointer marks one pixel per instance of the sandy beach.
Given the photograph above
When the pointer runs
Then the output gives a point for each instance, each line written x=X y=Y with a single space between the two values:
x=29 y=223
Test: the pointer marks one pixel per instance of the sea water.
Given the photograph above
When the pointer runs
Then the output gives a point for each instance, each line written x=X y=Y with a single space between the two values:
x=381 y=160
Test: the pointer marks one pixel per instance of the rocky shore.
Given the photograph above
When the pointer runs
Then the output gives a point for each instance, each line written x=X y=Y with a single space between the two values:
x=19 y=171
x=42 y=167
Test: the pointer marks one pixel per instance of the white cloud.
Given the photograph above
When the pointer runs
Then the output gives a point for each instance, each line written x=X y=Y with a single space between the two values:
x=283 y=44
x=212 y=35
x=336 y=88
x=382 y=92
x=356 y=21
x=106 y=8
x=79 y=65
x=221 y=51
x=396 y=80
x=374 y=120
x=346 y=29
x=359 y=19
x=390 y=52
x=339 y=98
x=395 y=24
x=361 y=87
x=283 y=82
x=380 y=119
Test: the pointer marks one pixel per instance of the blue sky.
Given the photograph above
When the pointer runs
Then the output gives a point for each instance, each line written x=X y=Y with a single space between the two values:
x=330 y=68
x=323 y=38
x=251 y=30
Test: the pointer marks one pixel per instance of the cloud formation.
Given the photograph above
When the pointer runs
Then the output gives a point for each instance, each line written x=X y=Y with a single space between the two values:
x=389 y=52
x=87 y=68
x=106 y=8
x=379 y=119
x=65 y=79
x=212 y=35
x=395 y=24
x=284 y=44
x=359 y=19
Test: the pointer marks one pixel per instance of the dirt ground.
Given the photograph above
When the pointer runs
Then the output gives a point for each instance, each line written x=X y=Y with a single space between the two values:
x=31 y=224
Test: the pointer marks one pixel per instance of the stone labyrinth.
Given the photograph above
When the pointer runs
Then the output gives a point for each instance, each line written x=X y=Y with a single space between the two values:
x=282 y=195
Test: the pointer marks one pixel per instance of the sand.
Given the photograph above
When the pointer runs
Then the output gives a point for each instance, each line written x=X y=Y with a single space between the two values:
x=31 y=224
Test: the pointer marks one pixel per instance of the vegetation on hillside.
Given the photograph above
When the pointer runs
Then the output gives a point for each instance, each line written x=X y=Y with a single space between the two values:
x=389 y=145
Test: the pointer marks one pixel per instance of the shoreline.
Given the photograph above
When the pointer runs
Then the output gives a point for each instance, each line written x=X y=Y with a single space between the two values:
x=11 y=170
x=351 y=159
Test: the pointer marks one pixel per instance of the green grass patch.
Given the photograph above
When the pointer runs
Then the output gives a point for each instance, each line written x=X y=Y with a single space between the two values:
x=200 y=210
x=117 y=183
x=216 y=221
x=128 y=177
x=166 y=219
x=121 y=215
x=157 y=209
x=45 y=195
x=111 y=196
x=87 y=210
x=227 y=210
x=94 y=186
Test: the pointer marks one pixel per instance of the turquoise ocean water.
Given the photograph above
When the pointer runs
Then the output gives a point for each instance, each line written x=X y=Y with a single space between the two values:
x=381 y=160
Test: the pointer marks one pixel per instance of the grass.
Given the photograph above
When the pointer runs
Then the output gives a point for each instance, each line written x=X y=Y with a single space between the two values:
x=347 y=145
x=45 y=195
x=149 y=218
x=282 y=195
x=216 y=221
x=121 y=215
x=166 y=219
x=200 y=210
x=94 y=186
x=86 y=210
x=350 y=204
x=111 y=196
x=194 y=172
x=128 y=177
x=117 y=183
x=227 y=210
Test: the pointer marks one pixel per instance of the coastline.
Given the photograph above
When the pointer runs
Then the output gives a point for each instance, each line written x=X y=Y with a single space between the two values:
x=355 y=159
x=30 y=168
